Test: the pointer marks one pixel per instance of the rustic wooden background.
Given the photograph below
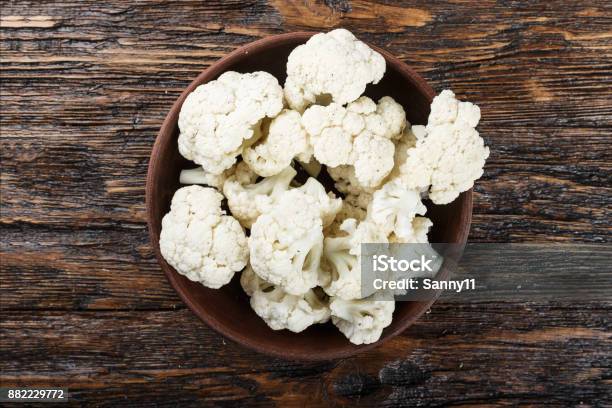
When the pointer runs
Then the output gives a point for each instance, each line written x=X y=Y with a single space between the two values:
x=85 y=87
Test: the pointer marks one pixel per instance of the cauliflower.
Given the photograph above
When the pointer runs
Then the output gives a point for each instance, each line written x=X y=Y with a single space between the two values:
x=346 y=182
x=286 y=243
x=218 y=117
x=304 y=253
x=344 y=176
x=347 y=211
x=336 y=65
x=416 y=233
x=362 y=321
x=250 y=282
x=247 y=201
x=281 y=310
x=405 y=142
x=394 y=207
x=342 y=257
x=361 y=135
x=449 y=154
x=274 y=151
x=327 y=203
x=199 y=240
x=201 y=176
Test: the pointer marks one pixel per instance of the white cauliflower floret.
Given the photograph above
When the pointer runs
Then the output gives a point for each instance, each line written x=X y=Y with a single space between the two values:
x=286 y=243
x=419 y=132
x=360 y=135
x=356 y=197
x=389 y=119
x=218 y=117
x=296 y=96
x=250 y=282
x=335 y=64
x=332 y=143
x=415 y=234
x=274 y=151
x=346 y=182
x=199 y=240
x=406 y=141
x=281 y=310
x=347 y=211
x=342 y=257
x=373 y=159
x=327 y=203
x=362 y=321
x=201 y=176
x=394 y=207
x=450 y=155
x=247 y=201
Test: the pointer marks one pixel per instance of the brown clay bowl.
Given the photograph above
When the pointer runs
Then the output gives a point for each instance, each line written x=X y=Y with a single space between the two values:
x=227 y=310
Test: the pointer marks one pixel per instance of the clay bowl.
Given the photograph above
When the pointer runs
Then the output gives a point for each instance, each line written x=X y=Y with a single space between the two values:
x=227 y=310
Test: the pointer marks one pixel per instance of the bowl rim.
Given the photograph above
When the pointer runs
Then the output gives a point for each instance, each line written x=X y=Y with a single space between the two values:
x=213 y=70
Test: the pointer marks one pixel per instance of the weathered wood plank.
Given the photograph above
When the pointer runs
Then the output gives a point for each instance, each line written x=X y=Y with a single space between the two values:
x=66 y=167
x=470 y=354
x=85 y=86
x=82 y=270
x=106 y=270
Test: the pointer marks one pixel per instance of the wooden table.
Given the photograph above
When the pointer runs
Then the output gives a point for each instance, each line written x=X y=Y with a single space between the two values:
x=85 y=87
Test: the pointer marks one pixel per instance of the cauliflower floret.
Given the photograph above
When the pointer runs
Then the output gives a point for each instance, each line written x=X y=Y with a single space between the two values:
x=356 y=197
x=296 y=96
x=199 y=240
x=247 y=201
x=362 y=321
x=281 y=310
x=328 y=204
x=332 y=143
x=286 y=243
x=394 y=207
x=346 y=182
x=347 y=211
x=335 y=64
x=361 y=135
x=415 y=234
x=342 y=257
x=201 y=176
x=449 y=154
x=389 y=119
x=373 y=159
x=218 y=117
x=250 y=282
x=419 y=132
x=285 y=139
x=406 y=141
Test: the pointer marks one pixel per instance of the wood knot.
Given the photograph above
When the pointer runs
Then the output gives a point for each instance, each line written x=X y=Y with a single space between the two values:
x=339 y=6
x=402 y=373
x=356 y=385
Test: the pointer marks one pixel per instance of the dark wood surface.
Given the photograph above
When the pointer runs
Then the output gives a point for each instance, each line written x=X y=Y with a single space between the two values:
x=84 y=305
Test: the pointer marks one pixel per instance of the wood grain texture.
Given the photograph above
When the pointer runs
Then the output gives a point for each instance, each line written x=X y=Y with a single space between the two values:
x=474 y=354
x=85 y=86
